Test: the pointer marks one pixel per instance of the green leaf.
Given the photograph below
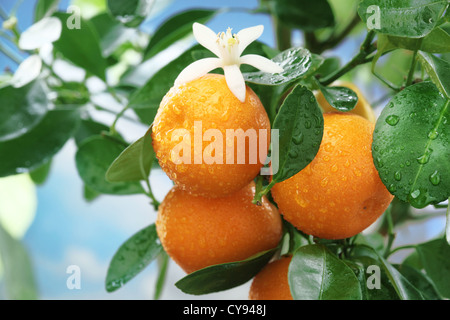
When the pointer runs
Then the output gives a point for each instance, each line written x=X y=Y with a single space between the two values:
x=87 y=129
x=328 y=66
x=434 y=256
x=438 y=70
x=40 y=144
x=317 y=274
x=145 y=101
x=111 y=32
x=300 y=125
x=71 y=93
x=303 y=14
x=175 y=28
x=21 y=109
x=89 y=194
x=341 y=98
x=40 y=174
x=224 y=276
x=404 y=18
x=404 y=288
x=18 y=272
x=419 y=280
x=296 y=63
x=367 y=276
x=81 y=46
x=132 y=257
x=134 y=163
x=93 y=159
x=410 y=145
x=45 y=8
x=163 y=263
x=130 y=12
x=437 y=41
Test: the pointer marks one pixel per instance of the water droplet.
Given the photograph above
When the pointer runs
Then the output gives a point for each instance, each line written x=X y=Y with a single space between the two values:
x=293 y=154
x=392 y=120
x=398 y=175
x=415 y=194
x=334 y=168
x=435 y=178
x=433 y=134
x=408 y=163
x=307 y=124
x=298 y=139
x=392 y=188
x=425 y=157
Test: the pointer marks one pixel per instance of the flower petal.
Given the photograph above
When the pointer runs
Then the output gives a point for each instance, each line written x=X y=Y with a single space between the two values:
x=248 y=35
x=235 y=81
x=206 y=37
x=28 y=70
x=46 y=30
x=197 y=69
x=261 y=63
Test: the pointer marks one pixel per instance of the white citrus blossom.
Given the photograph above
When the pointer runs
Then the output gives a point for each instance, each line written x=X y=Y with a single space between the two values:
x=228 y=48
x=40 y=35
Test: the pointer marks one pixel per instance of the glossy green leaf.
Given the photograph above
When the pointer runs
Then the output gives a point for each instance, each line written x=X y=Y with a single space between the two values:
x=145 y=101
x=419 y=280
x=223 y=276
x=87 y=129
x=434 y=256
x=45 y=8
x=111 y=32
x=317 y=274
x=404 y=288
x=19 y=279
x=366 y=274
x=81 y=45
x=303 y=14
x=40 y=144
x=300 y=125
x=132 y=257
x=411 y=145
x=175 y=28
x=296 y=63
x=40 y=174
x=438 y=70
x=89 y=194
x=328 y=66
x=134 y=163
x=21 y=109
x=341 y=98
x=404 y=18
x=93 y=159
x=130 y=12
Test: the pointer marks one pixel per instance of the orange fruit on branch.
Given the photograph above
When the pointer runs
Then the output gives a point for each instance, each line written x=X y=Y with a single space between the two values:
x=271 y=283
x=339 y=194
x=206 y=140
x=197 y=232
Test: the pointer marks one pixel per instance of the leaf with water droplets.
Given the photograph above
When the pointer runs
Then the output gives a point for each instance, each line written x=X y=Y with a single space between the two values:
x=300 y=125
x=413 y=152
x=438 y=70
x=341 y=98
x=132 y=257
x=404 y=18
x=296 y=63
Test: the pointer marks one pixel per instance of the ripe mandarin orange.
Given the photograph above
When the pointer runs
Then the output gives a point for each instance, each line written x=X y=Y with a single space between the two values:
x=271 y=283
x=207 y=106
x=339 y=194
x=362 y=107
x=198 y=232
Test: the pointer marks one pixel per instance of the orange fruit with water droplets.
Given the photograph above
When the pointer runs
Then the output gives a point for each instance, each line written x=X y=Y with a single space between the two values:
x=339 y=194
x=197 y=232
x=362 y=108
x=206 y=140
x=271 y=283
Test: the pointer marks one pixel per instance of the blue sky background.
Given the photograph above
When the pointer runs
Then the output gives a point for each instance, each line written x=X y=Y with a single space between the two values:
x=69 y=231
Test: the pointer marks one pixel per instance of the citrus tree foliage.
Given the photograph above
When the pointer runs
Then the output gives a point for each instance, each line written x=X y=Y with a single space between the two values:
x=404 y=47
